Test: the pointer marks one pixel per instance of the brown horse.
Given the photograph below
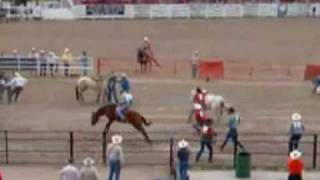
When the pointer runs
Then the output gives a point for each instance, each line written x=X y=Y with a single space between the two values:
x=132 y=117
x=145 y=60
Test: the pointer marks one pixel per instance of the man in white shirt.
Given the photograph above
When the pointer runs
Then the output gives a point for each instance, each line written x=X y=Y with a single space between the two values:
x=16 y=86
x=69 y=172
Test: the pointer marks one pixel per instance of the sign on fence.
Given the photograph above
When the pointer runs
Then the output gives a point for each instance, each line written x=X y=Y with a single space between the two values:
x=106 y=10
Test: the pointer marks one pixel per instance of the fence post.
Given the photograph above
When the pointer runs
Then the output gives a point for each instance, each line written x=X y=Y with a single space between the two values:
x=235 y=152
x=104 y=147
x=71 y=143
x=98 y=66
x=314 y=159
x=172 y=169
x=7 y=146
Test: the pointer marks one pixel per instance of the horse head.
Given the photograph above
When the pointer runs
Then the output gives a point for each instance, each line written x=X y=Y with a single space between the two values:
x=94 y=118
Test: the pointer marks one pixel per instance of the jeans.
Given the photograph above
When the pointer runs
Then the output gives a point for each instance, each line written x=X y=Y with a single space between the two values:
x=114 y=170
x=209 y=146
x=66 y=69
x=233 y=135
x=14 y=92
x=183 y=170
x=84 y=69
x=294 y=142
x=43 y=69
x=112 y=95
x=51 y=66
x=294 y=177
x=121 y=111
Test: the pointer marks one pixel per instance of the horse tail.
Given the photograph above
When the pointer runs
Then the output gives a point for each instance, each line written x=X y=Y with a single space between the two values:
x=145 y=121
x=77 y=93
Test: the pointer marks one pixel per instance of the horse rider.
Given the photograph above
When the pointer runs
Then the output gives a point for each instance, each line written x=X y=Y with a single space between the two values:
x=125 y=83
x=16 y=86
x=112 y=88
x=146 y=47
x=316 y=85
x=197 y=98
x=124 y=105
x=200 y=117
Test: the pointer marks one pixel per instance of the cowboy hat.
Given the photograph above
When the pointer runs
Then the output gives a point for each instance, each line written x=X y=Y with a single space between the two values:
x=146 y=38
x=17 y=74
x=197 y=106
x=296 y=117
x=33 y=49
x=123 y=74
x=66 y=50
x=295 y=154
x=116 y=139
x=88 y=161
x=183 y=143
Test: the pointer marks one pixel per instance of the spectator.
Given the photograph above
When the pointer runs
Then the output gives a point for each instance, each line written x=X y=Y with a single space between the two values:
x=84 y=59
x=206 y=140
x=66 y=58
x=16 y=86
x=295 y=166
x=115 y=157
x=52 y=61
x=35 y=55
x=183 y=154
x=88 y=172
x=111 y=88
x=43 y=63
x=125 y=83
x=69 y=172
x=296 y=131
x=195 y=64
x=233 y=123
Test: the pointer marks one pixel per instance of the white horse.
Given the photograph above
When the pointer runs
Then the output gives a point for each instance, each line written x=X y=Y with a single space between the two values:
x=84 y=83
x=212 y=102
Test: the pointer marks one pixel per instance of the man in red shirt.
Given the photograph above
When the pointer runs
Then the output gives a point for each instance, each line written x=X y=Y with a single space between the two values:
x=295 y=165
x=199 y=116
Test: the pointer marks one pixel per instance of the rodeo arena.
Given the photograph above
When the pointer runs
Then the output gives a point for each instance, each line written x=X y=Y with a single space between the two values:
x=159 y=89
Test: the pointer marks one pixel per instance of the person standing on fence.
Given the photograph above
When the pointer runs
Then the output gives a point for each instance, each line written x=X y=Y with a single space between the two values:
x=112 y=88
x=194 y=64
x=66 y=58
x=52 y=61
x=124 y=83
x=296 y=131
x=84 y=60
x=233 y=123
x=16 y=86
x=295 y=165
x=69 y=172
x=35 y=56
x=89 y=172
x=115 y=157
x=207 y=134
x=43 y=63
x=183 y=155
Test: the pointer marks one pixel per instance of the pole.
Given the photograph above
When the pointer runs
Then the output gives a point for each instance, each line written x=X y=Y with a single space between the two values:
x=71 y=143
x=314 y=158
x=172 y=169
x=7 y=146
x=104 y=147
x=235 y=151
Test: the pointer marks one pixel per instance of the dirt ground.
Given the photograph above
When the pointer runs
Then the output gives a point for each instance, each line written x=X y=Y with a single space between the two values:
x=265 y=106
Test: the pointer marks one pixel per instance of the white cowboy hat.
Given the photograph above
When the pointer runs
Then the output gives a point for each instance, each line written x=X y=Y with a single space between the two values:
x=66 y=50
x=295 y=154
x=197 y=106
x=123 y=74
x=146 y=38
x=183 y=143
x=116 y=139
x=205 y=129
x=296 y=117
x=88 y=161
x=17 y=74
x=33 y=49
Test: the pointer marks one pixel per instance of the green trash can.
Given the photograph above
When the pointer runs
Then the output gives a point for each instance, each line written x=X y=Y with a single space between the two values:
x=243 y=165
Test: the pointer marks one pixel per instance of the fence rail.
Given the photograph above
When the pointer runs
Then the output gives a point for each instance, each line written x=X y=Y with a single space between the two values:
x=267 y=150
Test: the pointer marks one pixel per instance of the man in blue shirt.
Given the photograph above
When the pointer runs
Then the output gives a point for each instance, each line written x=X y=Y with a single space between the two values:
x=125 y=83
x=111 y=88
x=183 y=157
x=233 y=122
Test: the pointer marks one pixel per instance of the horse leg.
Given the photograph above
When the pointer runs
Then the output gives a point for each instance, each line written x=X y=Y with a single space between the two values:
x=141 y=129
x=108 y=125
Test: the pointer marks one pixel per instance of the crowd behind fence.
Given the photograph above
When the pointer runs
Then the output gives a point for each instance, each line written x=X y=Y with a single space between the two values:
x=267 y=150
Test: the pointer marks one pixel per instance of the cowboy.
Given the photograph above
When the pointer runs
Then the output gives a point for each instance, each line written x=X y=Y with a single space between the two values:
x=199 y=116
x=295 y=165
x=88 y=172
x=69 y=172
x=115 y=157
x=125 y=103
x=67 y=58
x=125 y=83
x=52 y=61
x=146 y=46
x=296 y=131
x=111 y=90
x=183 y=155
x=16 y=86
x=233 y=123
x=207 y=134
